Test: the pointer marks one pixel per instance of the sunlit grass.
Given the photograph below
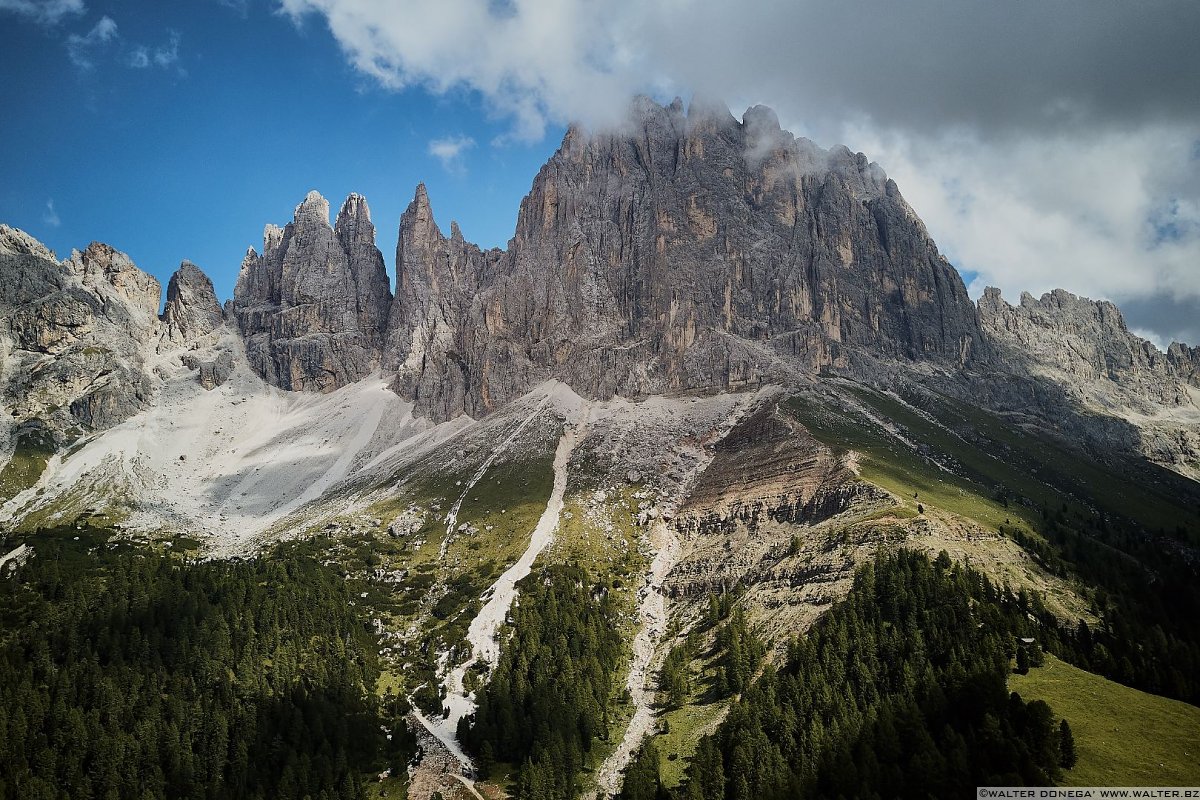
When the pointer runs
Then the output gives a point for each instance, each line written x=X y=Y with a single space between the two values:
x=1123 y=737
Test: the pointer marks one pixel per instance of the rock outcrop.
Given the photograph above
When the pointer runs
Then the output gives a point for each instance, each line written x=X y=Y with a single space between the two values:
x=313 y=307
x=73 y=336
x=1073 y=362
x=685 y=251
x=430 y=331
x=1186 y=362
x=211 y=373
x=192 y=311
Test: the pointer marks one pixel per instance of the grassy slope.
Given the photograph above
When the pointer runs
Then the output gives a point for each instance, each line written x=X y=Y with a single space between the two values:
x=1047 y=470
x=984 y=453
x=889 y=463
x=697 y=718
x=28 y=462
x=1122 y=736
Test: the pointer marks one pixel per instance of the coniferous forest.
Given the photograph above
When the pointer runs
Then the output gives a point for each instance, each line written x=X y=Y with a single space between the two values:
x=898 y=691
x=127 y=674
x=551 y=692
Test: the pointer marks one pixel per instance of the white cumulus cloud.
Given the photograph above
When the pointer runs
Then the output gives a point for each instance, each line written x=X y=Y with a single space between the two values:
x=82 y=48
x=45 y=12
x=1045 y=144
x=164 y=56
x=1112 y=213
x=449 y=150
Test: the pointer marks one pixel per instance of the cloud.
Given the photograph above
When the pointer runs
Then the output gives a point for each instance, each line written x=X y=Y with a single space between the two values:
x=1109 y=214
x=44 y=12
x=164 y=56
x=82 y=49
x=449 y=150
x=1043 y=143
x=241 y=7
x=923 y=64
x=1168 y=318
x=50 y=217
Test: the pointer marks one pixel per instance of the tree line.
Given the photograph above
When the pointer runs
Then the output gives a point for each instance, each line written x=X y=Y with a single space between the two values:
x=1147 y=596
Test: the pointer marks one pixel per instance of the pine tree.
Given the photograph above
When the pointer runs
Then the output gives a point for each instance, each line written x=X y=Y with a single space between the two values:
x=642 y=781
x=1067 y=757
x=1022 y=660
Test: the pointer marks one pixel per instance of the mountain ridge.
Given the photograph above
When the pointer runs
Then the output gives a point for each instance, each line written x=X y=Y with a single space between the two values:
x=687 y=251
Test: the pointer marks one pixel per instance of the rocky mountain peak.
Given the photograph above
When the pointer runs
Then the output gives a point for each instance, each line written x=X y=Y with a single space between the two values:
x=708 y=115
x=368 y=272
x=14 y=241
x=675 y=252
x=273 y=236
x=192 y=310
x=418 y=216
x=73 y=336
x=354 y=219
x=314 y=208
x=1084 y=344
x=1186 y=362
x=417 y=225
x=104 y=268
x=437 y=281
x=313 y=307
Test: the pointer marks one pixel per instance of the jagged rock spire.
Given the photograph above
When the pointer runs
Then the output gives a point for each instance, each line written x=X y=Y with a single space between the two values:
x=313 y=307
x=192 y=311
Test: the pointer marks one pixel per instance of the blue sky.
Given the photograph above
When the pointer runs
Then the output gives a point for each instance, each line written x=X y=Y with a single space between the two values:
x=189 y=158
x=1044 y=144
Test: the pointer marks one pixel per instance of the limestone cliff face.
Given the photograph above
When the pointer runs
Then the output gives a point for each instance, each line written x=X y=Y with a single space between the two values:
x=1085 y=346
x=74 y=335
x=192 y=311
x=685 y=251
x=313 y=307
x=1072 y=361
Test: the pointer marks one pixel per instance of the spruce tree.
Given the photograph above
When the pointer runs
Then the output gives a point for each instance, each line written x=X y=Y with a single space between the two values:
x=1067 y=757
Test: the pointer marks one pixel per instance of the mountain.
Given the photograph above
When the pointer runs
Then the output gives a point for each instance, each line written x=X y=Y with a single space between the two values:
x=719 y=377
x=313 y=308
x=684 y=252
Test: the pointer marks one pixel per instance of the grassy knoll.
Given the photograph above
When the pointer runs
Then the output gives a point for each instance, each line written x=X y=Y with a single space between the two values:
x=1124 y=737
